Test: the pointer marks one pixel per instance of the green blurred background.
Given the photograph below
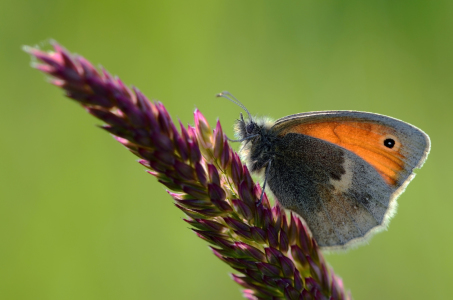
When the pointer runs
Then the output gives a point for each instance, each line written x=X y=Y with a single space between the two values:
x=80 y=219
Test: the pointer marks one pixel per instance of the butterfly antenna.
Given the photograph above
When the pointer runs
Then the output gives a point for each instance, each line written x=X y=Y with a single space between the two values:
x=230 y=97
x=264 y=184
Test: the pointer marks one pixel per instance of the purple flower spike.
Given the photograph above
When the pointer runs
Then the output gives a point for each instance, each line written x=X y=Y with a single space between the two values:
x=204 y=132
x=213 y=174
x=274 y=253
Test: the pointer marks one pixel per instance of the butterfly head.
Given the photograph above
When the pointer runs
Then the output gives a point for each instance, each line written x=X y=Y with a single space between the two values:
x=246 y=129
x=256 y=135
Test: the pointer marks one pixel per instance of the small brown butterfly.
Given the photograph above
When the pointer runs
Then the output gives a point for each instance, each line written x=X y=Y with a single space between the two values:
x=341 y=171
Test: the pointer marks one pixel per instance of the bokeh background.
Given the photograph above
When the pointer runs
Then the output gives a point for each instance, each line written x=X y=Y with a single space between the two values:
x=79 y=219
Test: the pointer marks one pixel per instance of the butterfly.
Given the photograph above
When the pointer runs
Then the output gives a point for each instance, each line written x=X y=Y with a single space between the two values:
x=340 y=171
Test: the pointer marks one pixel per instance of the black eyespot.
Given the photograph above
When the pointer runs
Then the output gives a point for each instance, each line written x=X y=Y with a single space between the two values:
x=389 y=143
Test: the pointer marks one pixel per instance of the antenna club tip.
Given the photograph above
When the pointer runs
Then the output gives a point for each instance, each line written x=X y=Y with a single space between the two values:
x=222 y=94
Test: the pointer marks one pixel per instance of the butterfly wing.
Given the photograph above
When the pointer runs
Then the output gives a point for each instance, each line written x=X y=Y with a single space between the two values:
x=364 y=134
x=338 y=172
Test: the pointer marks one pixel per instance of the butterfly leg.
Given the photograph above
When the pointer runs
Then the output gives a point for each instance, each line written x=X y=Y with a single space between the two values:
x=264 y=184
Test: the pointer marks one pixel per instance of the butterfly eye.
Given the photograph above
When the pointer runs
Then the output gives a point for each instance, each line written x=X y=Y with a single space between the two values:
x=389 y=143
x=250 y=127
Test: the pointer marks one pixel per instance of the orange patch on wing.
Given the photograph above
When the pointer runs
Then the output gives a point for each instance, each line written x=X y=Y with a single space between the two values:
x=363 y=139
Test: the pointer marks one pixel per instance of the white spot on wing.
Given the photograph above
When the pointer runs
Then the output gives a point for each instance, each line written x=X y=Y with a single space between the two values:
x=345 y=181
